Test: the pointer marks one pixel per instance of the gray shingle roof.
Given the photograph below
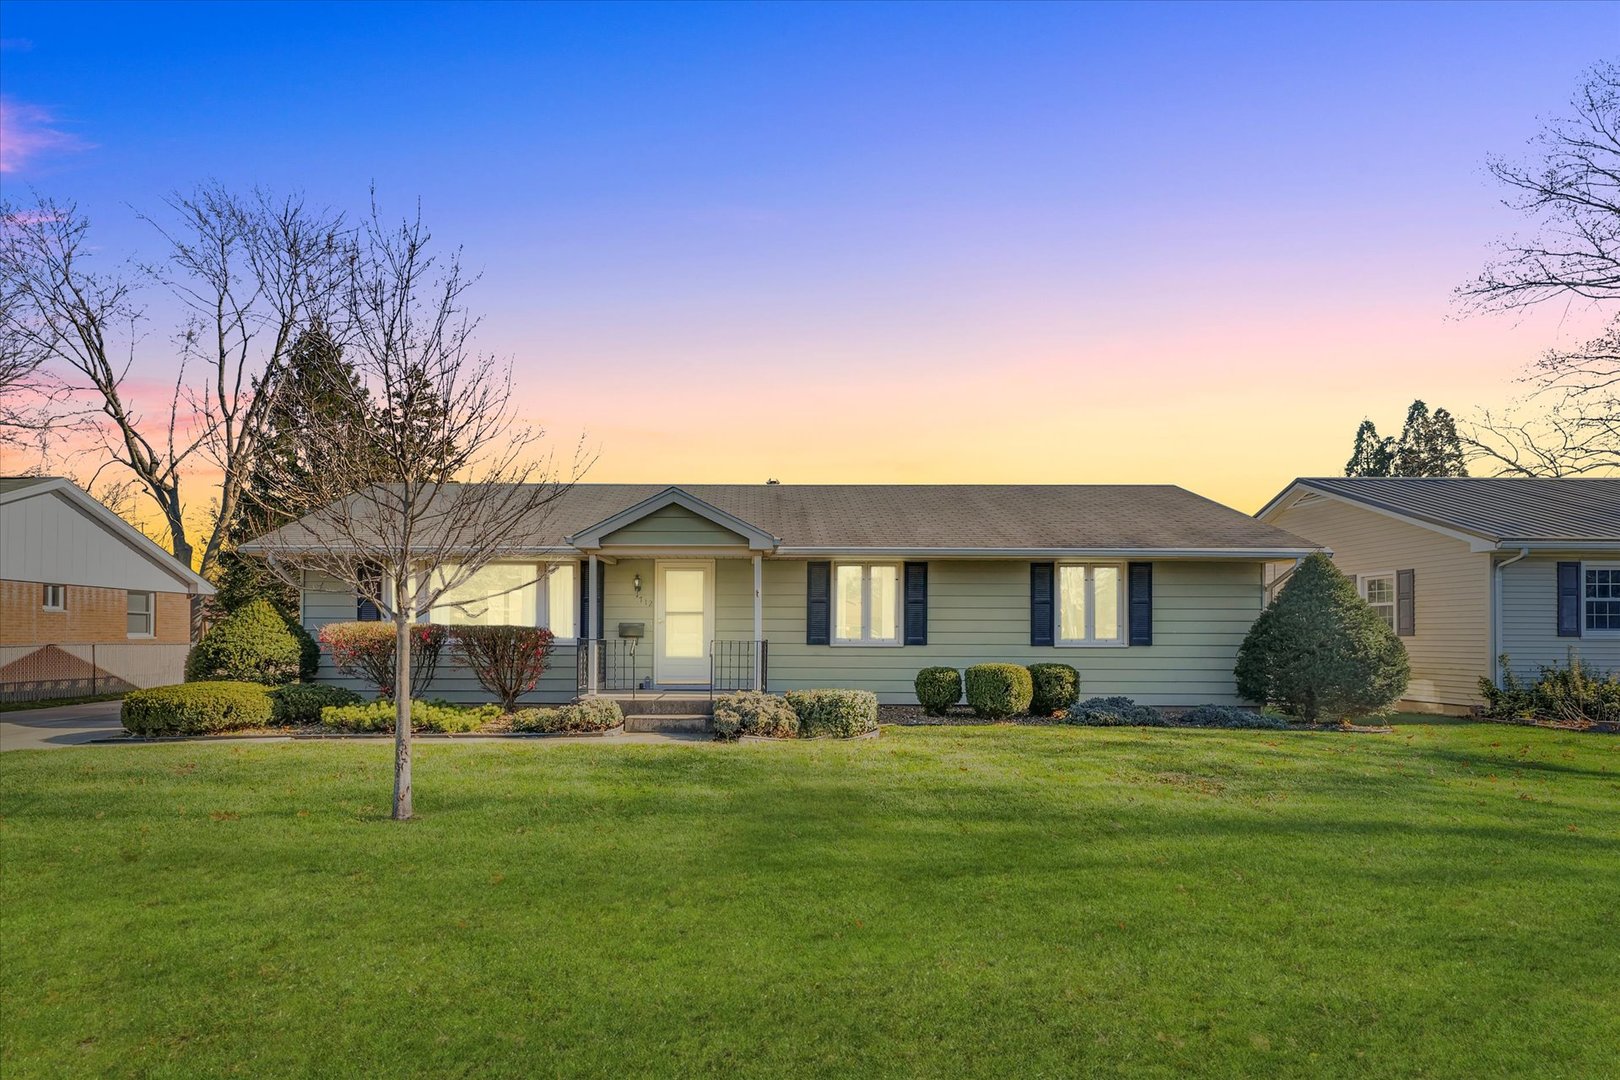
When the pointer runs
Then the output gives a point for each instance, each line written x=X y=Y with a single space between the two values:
x=1502 y=509
x=17 y=483
x=999 y=517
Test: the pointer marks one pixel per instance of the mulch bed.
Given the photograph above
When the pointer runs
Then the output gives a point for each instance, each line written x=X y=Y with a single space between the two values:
x=962 y=716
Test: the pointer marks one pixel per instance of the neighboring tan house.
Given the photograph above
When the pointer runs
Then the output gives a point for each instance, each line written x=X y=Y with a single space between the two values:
x=1466 y=569
x=87 y=604
x=1148 y=590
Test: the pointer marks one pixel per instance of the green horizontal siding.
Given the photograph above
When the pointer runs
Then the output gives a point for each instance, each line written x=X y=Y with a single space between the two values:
x=673 y=526
x=978 y=611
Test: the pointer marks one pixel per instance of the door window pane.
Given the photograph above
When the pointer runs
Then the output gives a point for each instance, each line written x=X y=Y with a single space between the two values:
x=885 y=581
x=849 y=603
x=1105 y=603
x=683 y=635
x=1072 y=603
x=683 y=590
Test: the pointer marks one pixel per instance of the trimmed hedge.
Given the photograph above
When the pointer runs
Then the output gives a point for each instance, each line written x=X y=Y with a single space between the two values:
x=425 y=716
x=997 y=691
x=301 y=703
x=753 y=713
x=842 y=714
x=938 y=688
x=591 y=714
x=1230 y=716
x=251 y=644
x=196 y=708
x=1115 y=712
x=1056 y=688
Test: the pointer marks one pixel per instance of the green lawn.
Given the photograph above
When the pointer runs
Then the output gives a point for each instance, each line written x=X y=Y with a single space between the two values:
x=989 y=901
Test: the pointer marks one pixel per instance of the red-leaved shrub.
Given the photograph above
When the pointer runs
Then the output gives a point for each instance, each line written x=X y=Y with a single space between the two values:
x=507 y=660
x=365 y=650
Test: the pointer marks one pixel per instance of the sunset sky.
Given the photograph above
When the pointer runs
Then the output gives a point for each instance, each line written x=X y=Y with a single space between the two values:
x=869 y=243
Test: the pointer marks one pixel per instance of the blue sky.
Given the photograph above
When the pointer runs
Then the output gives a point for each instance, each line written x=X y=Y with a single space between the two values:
x=700 y=223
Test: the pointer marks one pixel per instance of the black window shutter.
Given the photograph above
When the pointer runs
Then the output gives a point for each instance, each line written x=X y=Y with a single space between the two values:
x=1405 y=603
x=365 y=609
x=587 y=590
x=1569 y=599
x=818 y=603
x=916 y=601
x=1041 y=608
x=1139 y=602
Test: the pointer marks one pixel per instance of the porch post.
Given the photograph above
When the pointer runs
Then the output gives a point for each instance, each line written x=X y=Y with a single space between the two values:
x=593 y=583
x=759 y=624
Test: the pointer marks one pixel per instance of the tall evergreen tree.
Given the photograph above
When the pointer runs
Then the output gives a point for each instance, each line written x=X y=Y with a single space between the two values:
x=317 y=378
x=1428 y=446
x=1373 y=454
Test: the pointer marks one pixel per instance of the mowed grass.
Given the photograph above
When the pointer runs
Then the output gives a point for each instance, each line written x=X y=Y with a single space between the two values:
x=972 y=901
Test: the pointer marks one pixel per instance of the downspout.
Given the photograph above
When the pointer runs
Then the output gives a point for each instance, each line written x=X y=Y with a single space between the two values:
x=1496 y=614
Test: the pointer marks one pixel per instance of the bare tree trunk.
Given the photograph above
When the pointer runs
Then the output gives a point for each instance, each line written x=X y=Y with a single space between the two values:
x=402 y=716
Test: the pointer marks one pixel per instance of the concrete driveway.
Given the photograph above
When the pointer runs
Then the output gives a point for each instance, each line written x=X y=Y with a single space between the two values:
x=61 y=725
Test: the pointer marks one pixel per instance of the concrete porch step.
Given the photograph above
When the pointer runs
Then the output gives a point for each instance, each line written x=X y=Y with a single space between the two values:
x=668 y=722
x=663 y=702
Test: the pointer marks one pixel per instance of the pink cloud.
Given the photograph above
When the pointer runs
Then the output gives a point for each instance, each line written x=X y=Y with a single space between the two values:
x=26 y=133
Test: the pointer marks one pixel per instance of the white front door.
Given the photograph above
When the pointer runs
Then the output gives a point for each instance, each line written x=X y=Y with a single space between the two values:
x=685 y=622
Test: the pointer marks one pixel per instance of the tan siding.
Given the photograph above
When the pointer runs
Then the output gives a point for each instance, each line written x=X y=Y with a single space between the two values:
x=1530 y=623
x=1451 y=649
x=673 y=526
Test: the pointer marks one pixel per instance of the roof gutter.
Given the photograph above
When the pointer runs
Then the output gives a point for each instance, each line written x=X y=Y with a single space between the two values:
x=1496 y=612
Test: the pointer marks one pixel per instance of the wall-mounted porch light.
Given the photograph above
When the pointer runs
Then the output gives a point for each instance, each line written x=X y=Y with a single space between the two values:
x=636 y=583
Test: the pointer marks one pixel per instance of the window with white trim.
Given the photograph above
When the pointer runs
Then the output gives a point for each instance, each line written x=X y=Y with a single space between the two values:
x=514 y=594
x=55 y=598
x=1600 y=597
x=1379 y=591
x=141 y=614
x=1091 y=604
x=866 y=604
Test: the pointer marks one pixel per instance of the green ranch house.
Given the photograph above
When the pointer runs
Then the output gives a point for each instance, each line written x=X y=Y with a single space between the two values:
x=1146 y=589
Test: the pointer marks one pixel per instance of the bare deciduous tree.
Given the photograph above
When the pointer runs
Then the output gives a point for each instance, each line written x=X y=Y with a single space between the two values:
x=248 y=272
x=430 y=475
x=1571 y=192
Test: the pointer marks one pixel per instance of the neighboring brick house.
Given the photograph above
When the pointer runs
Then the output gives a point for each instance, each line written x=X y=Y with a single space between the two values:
x=87 y=604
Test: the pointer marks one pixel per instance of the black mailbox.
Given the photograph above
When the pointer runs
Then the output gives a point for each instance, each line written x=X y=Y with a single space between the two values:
x=632 y=629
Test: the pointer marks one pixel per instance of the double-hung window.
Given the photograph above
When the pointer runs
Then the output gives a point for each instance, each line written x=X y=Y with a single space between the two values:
x=1379 y=591
x=141 y=613
x=866 y=598
x=1091 y=604
x=1600 y=599
x=514 y=594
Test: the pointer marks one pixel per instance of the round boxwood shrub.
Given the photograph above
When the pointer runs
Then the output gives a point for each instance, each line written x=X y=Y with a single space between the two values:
x=938 y=688
x=842 y=714
x=1057 y=686
x=754 y=713
x=251 y=644
x=301 y=703
x=1320 y=648
x=196 y=708
x=997 y=691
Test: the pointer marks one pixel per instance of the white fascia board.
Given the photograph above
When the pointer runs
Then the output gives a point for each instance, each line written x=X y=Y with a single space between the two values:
x=1243 y=554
